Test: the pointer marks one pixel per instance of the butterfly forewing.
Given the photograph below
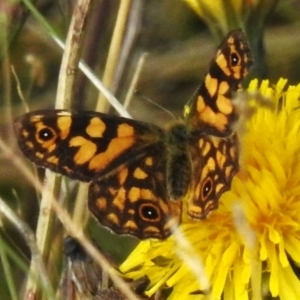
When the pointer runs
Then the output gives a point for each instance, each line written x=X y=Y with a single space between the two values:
x=212 y=111
x=83 y=146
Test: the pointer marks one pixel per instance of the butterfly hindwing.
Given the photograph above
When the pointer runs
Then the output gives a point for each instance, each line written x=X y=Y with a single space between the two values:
x=134 y=200
x=215 y=163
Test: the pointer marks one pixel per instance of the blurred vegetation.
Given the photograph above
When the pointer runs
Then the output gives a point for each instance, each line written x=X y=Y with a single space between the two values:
x=179 y=46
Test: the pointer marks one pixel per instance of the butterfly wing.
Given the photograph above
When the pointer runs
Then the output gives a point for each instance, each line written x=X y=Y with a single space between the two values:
x=214 y=147
x=212 y=110
x=215 y=163
x=133 y=200
x=124 y=159
x=83 y=145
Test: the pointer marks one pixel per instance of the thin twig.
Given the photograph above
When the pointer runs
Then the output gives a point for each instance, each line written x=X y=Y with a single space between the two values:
x=80 y=209
x=6 y=81
x=39 y=271
x=114 y=52
x=63 y=97
x=82 y=66
x=71 y=57
x=7 y=270
x=133 y=27
x=134 y=81
x=19 y=89
x=44 y=226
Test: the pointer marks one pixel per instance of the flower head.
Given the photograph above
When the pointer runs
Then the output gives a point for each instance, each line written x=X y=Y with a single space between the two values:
x=244 y=248
x=223 y=15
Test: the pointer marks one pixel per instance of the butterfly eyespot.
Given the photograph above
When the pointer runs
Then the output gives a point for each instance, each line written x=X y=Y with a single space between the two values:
x=45 y=134
x=234 y=59
x=207 y=188
x=149 y=212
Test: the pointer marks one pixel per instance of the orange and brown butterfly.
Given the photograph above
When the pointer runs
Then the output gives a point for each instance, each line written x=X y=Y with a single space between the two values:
x=139 y=172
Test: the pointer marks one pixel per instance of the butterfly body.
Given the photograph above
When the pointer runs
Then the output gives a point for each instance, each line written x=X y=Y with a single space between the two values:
x=140 y=174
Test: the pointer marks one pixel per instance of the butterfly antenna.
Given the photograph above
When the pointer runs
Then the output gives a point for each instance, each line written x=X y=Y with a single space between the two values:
x=139 y=94
x=187 y=106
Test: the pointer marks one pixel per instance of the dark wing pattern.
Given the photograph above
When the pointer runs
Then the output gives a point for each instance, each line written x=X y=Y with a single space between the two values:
x=83 y=145
x=215 y=161
x=214 y=145
x=137 y=169
x=124 y=159
x=134 y=200
x=212 y=111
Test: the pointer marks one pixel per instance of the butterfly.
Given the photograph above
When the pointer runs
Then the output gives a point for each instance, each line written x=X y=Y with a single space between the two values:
x=140 y=174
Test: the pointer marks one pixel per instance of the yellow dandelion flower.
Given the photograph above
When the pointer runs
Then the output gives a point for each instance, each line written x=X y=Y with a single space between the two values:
x=244 y=249
x=210 y=11
x=224 y=14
